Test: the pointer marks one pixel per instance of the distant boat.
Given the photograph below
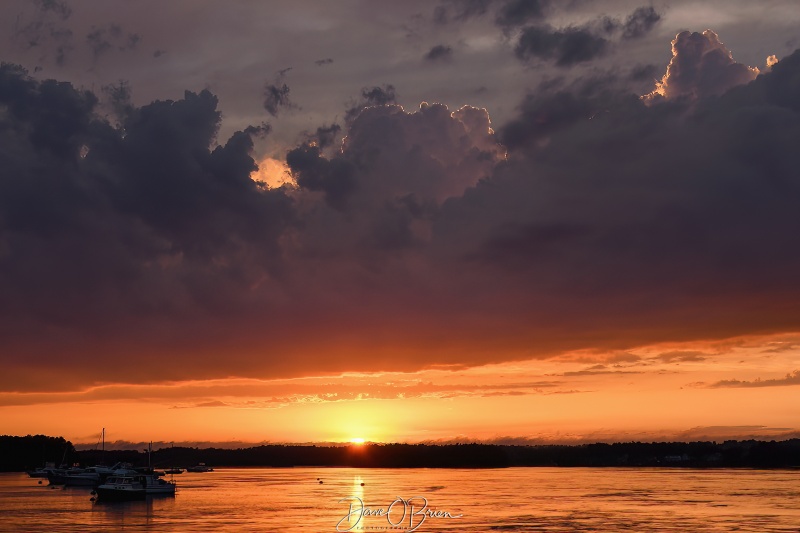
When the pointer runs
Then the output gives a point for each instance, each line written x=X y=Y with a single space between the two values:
x=199 y=468
x=93 y=475
x=42 y=472
x=84 y=477
x=58 y=476
x=173 y=471
x=132 y=485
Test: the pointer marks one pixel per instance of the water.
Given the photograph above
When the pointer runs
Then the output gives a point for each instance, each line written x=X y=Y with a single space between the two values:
x=505 y=500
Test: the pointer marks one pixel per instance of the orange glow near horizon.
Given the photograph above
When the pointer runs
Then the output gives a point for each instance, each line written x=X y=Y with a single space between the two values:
x=730 y=389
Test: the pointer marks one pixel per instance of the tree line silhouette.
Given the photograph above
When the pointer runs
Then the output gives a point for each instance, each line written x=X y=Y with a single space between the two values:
x=22 y=453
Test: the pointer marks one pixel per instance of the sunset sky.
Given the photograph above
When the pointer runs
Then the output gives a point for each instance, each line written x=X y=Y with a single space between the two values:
x=520 y=221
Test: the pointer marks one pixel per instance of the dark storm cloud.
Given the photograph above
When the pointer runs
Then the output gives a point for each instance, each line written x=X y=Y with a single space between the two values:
x=371 y=96
x=520 y=12
x=566 y=46
x=640 y=22
x=554 y=107
x=607 y=222
x=613 y=203
x=439 y=53
x=644 y=72
x=792 y=378
x=326 y=135
x=379 y=95
x=334 y=177
x=579 y=44
x=392 y=172
x=119 y=99
x=104 y=229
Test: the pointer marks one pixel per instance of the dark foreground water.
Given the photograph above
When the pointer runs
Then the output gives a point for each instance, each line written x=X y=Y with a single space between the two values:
x=514 y=499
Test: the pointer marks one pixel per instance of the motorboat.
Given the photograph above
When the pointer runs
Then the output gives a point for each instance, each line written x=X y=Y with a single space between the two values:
x=132 y=485
x=173 y=471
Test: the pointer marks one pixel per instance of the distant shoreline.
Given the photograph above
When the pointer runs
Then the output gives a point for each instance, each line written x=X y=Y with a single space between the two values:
x=24 y=453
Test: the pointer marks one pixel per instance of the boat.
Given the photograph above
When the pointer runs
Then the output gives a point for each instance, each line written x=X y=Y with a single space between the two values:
x=173 y=471
x=58 y=476
x=199 y=468
x=93 y=475
x=132 y=485
x=41 y=472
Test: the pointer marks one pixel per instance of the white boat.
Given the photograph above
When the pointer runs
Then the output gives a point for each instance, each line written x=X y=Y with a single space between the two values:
x=132 y=485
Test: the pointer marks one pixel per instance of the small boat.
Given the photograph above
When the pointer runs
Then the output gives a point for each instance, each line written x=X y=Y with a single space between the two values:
x=93 y=475
x=41 y=472
x=58 y=476
x=132 y=485
x=173 y=471
x=199 y=468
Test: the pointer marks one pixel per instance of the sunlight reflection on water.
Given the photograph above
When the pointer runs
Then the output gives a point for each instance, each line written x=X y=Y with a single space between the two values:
x=514 y=499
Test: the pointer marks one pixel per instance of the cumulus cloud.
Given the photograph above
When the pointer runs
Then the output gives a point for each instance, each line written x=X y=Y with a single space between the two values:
x=700 y=66
x=141 y=221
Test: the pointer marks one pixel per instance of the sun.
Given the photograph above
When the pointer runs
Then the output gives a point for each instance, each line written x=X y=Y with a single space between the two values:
x=358 y=441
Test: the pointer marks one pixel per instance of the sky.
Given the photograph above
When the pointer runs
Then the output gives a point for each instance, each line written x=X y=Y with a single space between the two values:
x=518 y=221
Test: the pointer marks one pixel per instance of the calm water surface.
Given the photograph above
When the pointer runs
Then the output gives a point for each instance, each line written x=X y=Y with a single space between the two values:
x=514 y=499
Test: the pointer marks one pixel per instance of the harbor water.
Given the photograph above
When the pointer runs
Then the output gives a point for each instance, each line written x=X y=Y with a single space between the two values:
x=346 y=499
